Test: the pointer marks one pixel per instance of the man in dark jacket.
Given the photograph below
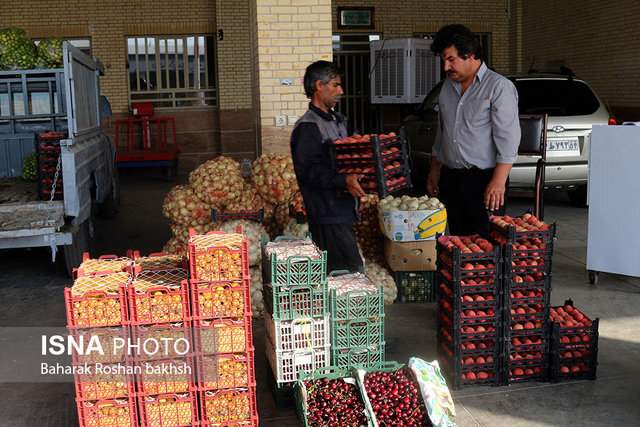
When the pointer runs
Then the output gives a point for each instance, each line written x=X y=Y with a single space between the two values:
x=330 y=198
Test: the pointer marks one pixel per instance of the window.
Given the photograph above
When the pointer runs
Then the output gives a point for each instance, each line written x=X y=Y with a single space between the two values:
x=556 y=97
x=172 y=71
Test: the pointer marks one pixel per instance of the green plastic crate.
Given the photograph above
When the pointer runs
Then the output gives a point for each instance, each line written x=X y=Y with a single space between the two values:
x=331 y=373
x=286 y=302
x=415 y=286
x=362 y=357
x=295 y=270
x=356 y=304
x=357 y=333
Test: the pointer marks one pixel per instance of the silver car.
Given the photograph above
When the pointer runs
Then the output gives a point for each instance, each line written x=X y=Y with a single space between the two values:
x=573 y=108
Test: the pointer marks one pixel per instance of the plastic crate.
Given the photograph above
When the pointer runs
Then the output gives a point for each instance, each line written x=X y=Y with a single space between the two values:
x=222 y=371
x=104 y=264
x=415 y=286
x=512 y=235
x=328 y=373
x=538 y=371
x=165 y=376
x=108 y=413
x=222 y=216
x=108 y=338
x=288 y=302
x=168 y=410
x=226 y=408
x=456 y=254
x=512 y=263
x=470 y=370
x=294 y=270
x=283 y=393
x=97 y=301
x=223 y=336
x=156 y=261
x=103 y=382
x=159 y=296
x=287 y=364
x=215 y=300
x=303 y=333
x=218 y=256
x=359 y=357
x=477 y=270
x=357 y=333
x=177 y=337
x=48 y=152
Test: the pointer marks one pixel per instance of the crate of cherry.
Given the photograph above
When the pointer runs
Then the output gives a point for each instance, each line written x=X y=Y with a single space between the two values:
x=574 y=344
x=469 y=310
x=48 y=152
x=382 y=159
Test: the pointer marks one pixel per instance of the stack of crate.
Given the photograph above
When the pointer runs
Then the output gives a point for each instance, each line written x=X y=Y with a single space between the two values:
x=96 y=305
x=296 y=311
x=221 y=314
x=48 y=150
x=159 y=314
x=357 y=321
x=528 y=251
x=469 y=310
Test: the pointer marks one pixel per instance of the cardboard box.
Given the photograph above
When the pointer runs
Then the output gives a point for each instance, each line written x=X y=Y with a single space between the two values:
x=411 y=256
x=411 y=226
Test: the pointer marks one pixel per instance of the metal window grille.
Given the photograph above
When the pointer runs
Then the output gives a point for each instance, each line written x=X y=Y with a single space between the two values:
x=172 y=71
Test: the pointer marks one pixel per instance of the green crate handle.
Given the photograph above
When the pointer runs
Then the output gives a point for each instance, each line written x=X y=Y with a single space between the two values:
x=331 y=372
x=387 y=366
x=336 y=273
x=286 y=239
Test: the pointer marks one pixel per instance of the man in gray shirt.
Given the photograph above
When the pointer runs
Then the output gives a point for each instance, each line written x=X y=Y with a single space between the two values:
x=478 y=133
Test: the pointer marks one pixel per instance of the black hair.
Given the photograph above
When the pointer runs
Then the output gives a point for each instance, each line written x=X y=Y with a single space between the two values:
x=460 y=37
x=319 y=70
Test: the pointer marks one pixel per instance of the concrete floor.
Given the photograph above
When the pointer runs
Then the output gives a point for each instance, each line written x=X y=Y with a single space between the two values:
x=31 y=295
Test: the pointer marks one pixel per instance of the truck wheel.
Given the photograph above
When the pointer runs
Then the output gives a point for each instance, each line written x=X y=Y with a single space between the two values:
x=578 y=196
x=79 y=245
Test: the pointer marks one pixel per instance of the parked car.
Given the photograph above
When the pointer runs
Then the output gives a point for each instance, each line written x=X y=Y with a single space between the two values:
x=573 y=108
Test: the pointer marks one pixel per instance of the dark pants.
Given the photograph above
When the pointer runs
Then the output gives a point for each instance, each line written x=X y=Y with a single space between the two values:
x=462 y=192
x=339 y=240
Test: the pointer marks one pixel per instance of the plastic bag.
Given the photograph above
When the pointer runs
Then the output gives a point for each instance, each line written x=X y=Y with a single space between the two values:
x=435 y=392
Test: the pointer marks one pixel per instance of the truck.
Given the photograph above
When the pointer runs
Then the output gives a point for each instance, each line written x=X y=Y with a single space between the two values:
x=66 y=100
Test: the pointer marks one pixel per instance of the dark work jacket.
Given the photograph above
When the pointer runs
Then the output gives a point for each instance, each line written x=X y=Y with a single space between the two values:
x=323 y=189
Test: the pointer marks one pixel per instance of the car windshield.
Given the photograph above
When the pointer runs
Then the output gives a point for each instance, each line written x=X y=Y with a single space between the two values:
x=555 y=97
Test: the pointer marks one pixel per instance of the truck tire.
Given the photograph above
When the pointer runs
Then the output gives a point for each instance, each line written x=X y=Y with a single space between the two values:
x=578 y=196
x=79 y=245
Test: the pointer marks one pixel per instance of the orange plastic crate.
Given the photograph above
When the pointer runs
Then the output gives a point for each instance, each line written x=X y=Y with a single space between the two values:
x=158 y=296
x=224 y=371
x=97 y=300
x=215 y=300
x=168 y=410
x=218 y=256
x=223 y=335
x=107 y=413
x=226 y=408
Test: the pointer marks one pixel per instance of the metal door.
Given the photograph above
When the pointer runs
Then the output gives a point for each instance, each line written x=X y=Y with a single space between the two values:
x=351 y=55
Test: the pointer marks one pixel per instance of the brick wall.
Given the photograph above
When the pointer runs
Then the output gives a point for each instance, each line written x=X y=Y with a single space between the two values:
x=597 y=40
x=290 y=35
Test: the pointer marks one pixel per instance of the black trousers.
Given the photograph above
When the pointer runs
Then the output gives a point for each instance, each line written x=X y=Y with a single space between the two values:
x=339 y=240
x=462 y=192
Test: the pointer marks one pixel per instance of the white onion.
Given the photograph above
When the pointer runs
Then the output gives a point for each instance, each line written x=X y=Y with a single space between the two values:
x=275 y=178
x=182 y=206
x=296 y=230
x=257 y=302
x=254 y=232
x=218 y=181
x=381 y=276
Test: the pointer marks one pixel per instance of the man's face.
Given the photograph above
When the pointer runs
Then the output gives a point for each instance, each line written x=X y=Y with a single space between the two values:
x=457 y=69
x=329 y=93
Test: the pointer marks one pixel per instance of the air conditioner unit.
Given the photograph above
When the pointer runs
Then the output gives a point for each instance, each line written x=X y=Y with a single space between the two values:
x=403 y=71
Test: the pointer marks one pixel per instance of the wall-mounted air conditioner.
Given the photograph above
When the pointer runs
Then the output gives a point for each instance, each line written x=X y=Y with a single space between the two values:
x=403 y=71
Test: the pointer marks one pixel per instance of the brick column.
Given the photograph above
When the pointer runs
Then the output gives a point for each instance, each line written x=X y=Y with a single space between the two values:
x=290 y=34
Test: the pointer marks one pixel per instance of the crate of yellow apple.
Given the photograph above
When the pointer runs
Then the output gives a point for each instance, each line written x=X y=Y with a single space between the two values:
x=225 y=371
x=220 y=300
x=167 y=410
x=97 y=300
x=159 y=296
x=228 y=407
x=222 y=336
x=218 y=256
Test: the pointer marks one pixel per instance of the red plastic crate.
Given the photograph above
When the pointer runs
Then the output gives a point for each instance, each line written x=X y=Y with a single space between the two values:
x=223 y=336
x=211 y=260
x=171 y=333
x=104 y=264
x=104 y=306
x=108 y=413
x=215 y=300
x=111 y=382
x=107 y=337
x=168 y=410
x=165 y=376
x=156 y=261
x=158 y=296
x=216 y=411
x=224 y=371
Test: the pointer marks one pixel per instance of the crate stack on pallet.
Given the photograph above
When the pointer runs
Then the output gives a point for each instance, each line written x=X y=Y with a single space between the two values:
x=221 y=315
x=159 y=312
x=296 y=312
x=574 y=344
x=49 y=152
x=528 y=250
x=357 y=320
x=96 y=305
x=469 y=310
x=383 y=160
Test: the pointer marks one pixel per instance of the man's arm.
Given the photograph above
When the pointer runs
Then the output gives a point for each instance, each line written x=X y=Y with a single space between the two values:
x=505 y=126
x=312 y=164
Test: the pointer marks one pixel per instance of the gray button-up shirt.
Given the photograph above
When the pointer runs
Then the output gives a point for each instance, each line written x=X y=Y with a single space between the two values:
x=481 y=127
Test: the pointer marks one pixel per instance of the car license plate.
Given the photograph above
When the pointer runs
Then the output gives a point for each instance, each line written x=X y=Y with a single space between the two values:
x=563 y=147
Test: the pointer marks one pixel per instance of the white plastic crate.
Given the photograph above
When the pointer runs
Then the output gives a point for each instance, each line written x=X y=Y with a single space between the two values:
x=286 y=364
x=298 y=334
